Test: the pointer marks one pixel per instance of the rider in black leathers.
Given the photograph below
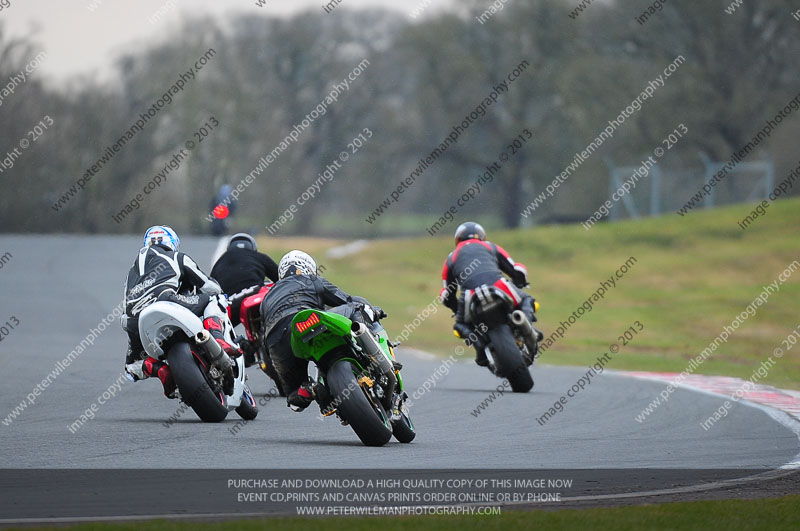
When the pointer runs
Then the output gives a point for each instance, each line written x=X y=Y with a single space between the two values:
x=476 y=262
x=300 y=288
x=162 y=273
x=241 y=271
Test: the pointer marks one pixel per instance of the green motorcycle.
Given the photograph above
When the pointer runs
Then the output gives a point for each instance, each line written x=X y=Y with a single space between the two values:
x=358 y=376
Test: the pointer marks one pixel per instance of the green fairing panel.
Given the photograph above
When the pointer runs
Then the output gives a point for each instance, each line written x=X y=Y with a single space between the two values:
x=337 y=334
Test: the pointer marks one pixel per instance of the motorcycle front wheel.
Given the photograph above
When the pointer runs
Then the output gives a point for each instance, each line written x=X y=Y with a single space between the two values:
x=403 y=428
x=248 y=409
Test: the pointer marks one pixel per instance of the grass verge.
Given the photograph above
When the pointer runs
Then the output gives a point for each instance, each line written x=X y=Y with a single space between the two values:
x=693 y=275
x=732 y=515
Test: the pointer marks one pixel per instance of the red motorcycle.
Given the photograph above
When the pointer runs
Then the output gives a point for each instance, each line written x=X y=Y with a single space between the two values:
x=250 y=317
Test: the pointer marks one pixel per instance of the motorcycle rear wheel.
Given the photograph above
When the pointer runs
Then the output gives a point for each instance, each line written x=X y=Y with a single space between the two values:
x=367 y=417
x=209 y=405
x=508 y=359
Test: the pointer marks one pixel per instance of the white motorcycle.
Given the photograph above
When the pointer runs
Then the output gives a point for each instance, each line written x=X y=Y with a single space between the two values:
x=209 y=381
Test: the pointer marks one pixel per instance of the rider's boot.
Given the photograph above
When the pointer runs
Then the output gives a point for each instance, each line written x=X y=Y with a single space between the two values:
x=153 y=367
x=133 y=365
x=527 y=307
x=301 y=398
x=216 y=328
x=249 y=349
x=473 y=339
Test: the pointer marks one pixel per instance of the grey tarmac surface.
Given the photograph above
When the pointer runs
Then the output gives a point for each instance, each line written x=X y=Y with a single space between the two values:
x=59 y=287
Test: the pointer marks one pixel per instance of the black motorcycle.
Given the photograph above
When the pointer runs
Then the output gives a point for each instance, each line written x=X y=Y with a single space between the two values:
x=511 y=340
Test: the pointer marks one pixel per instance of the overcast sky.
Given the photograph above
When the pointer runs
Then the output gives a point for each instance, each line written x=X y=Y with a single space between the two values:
x=78 y=40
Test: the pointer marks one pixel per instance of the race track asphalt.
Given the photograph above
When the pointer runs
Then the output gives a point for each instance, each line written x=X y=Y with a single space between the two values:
x=60 y=287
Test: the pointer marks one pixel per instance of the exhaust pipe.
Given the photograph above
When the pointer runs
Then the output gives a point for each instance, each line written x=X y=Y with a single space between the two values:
x=370 y=345
x=520 y=320
x=217 y=356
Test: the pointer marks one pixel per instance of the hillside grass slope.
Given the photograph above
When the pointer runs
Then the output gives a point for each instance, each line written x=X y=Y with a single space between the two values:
x=692 y=276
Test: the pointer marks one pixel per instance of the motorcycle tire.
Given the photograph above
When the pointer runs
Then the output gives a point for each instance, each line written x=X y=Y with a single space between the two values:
x=367 y=418
x=508 y=359
x=209 y=405
x=403 y=428
x=248 y=409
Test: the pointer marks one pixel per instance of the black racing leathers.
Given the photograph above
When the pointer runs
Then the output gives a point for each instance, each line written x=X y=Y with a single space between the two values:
x=285 y=299
x=475 y=263
x=238 y=269
x=162 y=274
x=241 y=273
x=296 y=293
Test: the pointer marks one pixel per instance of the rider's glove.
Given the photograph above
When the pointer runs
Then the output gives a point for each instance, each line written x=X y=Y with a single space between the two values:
x=520 y=275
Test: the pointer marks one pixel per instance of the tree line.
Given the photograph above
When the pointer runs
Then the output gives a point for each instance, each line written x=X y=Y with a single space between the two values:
x=419 y=80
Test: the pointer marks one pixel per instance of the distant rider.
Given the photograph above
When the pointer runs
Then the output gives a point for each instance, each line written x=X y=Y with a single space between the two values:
x=241 y=271
x=300 y=288
x=476 y=262
x=162 y=273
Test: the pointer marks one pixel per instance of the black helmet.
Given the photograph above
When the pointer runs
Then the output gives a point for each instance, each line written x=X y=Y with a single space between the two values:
x=242 y=240
x=470 y=231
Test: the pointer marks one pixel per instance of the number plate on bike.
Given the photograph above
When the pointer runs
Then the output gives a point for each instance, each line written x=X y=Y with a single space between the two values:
x=314 y=333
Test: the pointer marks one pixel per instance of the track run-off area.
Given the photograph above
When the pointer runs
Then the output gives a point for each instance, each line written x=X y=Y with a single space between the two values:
x=92 y=428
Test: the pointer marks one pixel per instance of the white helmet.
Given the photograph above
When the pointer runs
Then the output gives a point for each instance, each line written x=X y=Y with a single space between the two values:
x=162 y=235
x=296 y=263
